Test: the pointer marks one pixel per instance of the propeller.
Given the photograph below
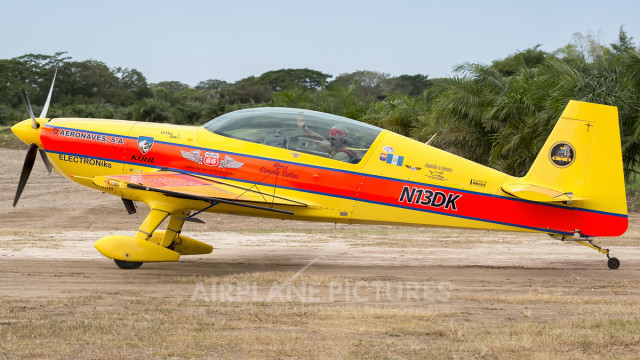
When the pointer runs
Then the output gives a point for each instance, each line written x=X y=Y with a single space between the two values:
x=43 y=114
x=27 y=103
x=30 y=159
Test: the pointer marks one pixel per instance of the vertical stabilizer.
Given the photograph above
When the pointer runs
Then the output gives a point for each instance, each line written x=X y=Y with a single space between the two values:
x=583 y=158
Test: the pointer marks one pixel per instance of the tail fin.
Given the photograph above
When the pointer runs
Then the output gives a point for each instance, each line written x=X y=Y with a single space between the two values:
x=581 y=164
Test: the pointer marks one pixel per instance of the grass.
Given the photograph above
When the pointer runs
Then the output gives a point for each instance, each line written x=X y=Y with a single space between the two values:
x=98 y=327
x=588 y=319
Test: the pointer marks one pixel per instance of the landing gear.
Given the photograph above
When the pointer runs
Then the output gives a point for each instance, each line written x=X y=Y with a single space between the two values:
x=613 y=263
x=130 y=265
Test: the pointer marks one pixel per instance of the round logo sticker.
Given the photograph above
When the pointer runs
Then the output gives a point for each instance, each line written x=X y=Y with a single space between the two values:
x=562 y=154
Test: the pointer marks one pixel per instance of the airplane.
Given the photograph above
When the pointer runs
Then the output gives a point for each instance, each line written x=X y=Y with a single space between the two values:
x=307 y=165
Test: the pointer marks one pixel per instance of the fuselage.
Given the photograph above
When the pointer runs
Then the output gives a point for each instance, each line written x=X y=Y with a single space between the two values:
x=397 y=181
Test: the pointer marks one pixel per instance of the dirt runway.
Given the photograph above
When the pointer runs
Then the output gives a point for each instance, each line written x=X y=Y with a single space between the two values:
x=46 y=249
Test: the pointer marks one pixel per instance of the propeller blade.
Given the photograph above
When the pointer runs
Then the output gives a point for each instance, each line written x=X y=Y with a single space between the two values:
x=26 y=171
x=47 y=164
x=46 y=104
x=27 y=103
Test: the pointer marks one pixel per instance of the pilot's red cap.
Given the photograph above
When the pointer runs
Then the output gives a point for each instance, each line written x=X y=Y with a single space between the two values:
x=335 y=132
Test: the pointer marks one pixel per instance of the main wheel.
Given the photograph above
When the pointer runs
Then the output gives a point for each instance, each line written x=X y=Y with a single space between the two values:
x=128 y=265
x=613 y=263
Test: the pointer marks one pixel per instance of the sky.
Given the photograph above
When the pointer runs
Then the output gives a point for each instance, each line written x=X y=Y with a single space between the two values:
x=194 y=40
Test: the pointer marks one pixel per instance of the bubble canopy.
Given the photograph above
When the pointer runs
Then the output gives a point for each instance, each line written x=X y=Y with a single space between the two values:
x=280 y=127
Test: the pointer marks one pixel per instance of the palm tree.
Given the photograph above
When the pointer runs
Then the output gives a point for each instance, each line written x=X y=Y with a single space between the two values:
x=460 y=113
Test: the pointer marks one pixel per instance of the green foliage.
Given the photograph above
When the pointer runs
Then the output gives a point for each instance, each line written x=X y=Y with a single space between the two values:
x=369 y=85
x=247 y=90
x=285 y=79
x=211 y=85
x=529 y=58
x=412 y=85
x=398 y=113
x=153 y=110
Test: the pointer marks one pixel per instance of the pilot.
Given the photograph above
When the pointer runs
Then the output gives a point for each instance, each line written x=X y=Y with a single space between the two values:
x=336 y=145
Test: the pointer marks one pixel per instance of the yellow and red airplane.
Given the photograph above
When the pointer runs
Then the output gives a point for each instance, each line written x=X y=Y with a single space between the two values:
x=284 y=163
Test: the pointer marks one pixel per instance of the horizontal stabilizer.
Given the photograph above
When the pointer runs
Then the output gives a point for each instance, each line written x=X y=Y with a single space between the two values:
x=537 y=193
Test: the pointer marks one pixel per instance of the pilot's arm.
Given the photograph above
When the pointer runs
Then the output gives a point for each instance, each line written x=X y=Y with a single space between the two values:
x=312 y=134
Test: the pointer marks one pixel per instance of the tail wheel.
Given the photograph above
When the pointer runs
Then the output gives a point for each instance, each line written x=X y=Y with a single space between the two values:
x=613 y=263
x=128 y=265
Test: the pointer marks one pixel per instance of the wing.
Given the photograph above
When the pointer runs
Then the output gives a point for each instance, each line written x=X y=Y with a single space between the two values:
x=187 y=186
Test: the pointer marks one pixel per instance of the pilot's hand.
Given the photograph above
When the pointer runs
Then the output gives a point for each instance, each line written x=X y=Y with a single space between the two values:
x=301 y=123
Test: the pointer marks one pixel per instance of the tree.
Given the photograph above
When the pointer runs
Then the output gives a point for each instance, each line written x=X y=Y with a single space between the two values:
x=247 y=90
x=398 y=113
x=624 y=44
x=132 y=87
x=368 y=84
x=89 y=80
x=412 y=85
x=459 y=113
x=172 y=87
x=168 y=91
x=211 y=84
x=529 y=58
x=151 y=109
x=32 y=72
x=285 y=79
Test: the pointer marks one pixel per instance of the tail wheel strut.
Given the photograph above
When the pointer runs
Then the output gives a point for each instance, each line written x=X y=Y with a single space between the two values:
x=613 y=263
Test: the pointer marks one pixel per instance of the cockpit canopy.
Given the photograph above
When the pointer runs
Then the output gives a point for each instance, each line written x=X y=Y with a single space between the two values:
x=279 y=127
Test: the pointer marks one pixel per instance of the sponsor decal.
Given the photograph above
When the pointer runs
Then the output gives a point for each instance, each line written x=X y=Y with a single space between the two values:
x=170 y=134
x=211 y=159
x=279 y=169
x=143 y=158
x=229 y=163
x=107 y=139
x=395 y=160
x=429 y=198
x=387 y=149
x=478 y=183
x=116 y=140
x=438 y=167
x=84 y=160
x=436 y=175
x=192 y=156
x=413 y=168
x=383 y=156
x=145 y=143
x=562 y=154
